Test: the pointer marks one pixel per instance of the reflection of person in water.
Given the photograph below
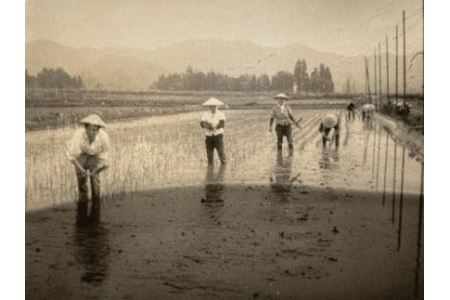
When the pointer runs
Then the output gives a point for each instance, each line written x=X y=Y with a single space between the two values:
x=91 y=243
x=329 y=158
x=214 y=185
x=281 y=179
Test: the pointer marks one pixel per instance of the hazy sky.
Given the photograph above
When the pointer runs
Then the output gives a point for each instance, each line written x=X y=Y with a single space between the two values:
x=340 y=26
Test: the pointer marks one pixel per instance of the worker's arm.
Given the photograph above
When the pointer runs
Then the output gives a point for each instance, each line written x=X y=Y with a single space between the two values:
x=221 y=124
x=206 y=125
x=291 y=116
x=271 y=124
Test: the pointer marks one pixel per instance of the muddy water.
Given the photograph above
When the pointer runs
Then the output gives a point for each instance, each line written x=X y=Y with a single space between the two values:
x=273 y=242
x=369 y=159
x=322 y=224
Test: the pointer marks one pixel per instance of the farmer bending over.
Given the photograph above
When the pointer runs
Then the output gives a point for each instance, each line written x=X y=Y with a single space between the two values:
x=329 y=127
x=214 y=122
x=88 y=152
x=282 y=114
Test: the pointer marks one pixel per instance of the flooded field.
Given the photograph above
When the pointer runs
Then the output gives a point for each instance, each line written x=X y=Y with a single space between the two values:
x=169 y=151
x=322 y=224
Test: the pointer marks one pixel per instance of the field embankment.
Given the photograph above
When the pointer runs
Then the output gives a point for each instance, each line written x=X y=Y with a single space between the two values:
x=57 y=109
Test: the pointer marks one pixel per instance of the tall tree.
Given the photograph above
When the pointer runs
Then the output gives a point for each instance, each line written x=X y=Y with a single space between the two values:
x=328 y=81
x=263 y=82
x=301 y=77
x=315 y=82
x=283 y=81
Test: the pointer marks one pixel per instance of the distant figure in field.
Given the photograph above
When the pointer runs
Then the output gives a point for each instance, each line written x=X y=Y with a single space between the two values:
x=368 y=111
x=213 y=121
x=283 y=117
x=329 y=128
x=88 y=152
x=351 y=111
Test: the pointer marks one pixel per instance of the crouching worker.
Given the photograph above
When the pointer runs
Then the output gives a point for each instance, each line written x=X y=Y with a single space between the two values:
x=213 y=121
x=88 y=152
x=329 y=127
x=282 y=114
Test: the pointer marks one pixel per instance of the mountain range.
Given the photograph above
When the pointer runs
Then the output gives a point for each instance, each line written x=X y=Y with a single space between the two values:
x=136 y=69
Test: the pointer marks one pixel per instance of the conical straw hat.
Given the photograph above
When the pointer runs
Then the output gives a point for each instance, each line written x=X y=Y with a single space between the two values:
x=330 y=120
x=213 y=102
x=93 y=120
x=368 y=107
x=281 y=96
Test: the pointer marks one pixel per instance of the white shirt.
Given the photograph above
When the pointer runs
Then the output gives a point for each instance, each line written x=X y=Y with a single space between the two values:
x=214 y=120
x=79 y=144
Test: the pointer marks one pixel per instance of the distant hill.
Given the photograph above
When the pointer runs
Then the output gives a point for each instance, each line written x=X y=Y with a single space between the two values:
x=129 y=68
x=97 y=67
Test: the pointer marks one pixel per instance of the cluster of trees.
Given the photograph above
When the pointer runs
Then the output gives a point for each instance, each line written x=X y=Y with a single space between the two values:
x=53 y=79
x=193 y=80
x=320 y=80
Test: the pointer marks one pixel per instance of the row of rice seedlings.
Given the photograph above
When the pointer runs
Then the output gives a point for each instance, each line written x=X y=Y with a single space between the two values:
x=168 y=152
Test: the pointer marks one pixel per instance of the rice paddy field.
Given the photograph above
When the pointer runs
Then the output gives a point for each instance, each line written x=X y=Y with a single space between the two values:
x=324 y=223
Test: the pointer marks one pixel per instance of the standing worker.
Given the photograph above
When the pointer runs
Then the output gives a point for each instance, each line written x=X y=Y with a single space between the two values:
x=351 y=111
x=282 y=114
x=88 y=152
x=329 y=127
x=213 y=121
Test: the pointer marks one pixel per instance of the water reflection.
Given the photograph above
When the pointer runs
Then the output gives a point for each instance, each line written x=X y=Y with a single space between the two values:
x=329 y=159
x=374 y=149
x=378 y=156
x=400 y=218
x=214 y=186
x=91 y=243
x=394 y=182
x=385 y=167
x=417 y=269
x=366 y=146
x=281 y=180
x=368 y=124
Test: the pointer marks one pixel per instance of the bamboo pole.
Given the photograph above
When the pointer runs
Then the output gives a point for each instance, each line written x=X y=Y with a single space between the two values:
x=387 y=71
x=404 y=59
x=379 y=75
x=396 y=65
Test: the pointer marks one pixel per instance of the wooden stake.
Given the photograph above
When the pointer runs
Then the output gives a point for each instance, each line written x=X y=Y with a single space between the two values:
x=404 y=59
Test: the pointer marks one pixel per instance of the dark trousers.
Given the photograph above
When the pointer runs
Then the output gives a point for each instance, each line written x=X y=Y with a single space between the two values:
x=350 y=114
x=215 y=141
x=284 y=130
x=88 y=162
x=336 y=137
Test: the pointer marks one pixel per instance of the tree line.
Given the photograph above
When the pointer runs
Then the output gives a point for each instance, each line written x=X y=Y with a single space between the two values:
x=320 y=81
x=53 y=79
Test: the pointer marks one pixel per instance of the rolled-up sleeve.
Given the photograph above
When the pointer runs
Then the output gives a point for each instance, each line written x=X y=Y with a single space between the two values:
x=73 y=149
x=273 y=112
x=104 y=153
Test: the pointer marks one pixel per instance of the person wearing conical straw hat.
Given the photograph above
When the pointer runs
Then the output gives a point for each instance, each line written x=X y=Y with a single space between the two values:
x=367 y=111
x=213 y=121
x=88 y=152
x=284 y=118
x=329 y=128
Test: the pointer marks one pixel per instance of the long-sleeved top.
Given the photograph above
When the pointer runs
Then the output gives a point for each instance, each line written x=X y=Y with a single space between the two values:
x=79 y=144
x=214 y=120
x=282 y=115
